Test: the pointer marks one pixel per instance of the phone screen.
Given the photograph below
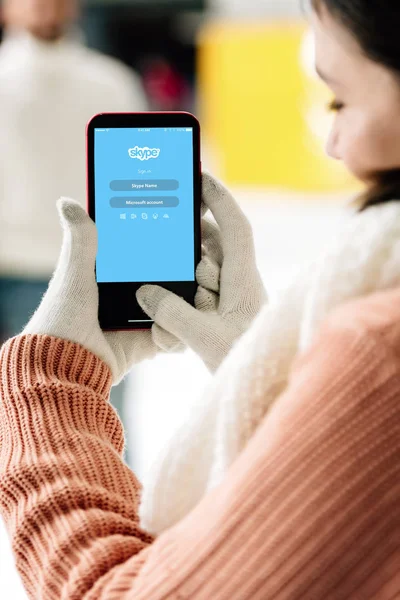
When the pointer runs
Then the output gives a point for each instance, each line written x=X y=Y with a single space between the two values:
x=143 y=180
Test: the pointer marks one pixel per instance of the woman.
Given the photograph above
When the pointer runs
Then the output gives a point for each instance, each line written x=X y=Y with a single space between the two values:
x=358 y=55
x=310 y=507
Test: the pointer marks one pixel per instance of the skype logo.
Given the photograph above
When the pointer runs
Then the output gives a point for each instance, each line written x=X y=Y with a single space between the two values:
x=144 y=153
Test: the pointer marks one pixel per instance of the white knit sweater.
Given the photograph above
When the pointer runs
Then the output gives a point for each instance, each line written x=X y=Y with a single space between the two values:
x=48 y=93
x=363 y=258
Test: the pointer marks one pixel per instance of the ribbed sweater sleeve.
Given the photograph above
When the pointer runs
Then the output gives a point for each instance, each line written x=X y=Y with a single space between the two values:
x=310 y=510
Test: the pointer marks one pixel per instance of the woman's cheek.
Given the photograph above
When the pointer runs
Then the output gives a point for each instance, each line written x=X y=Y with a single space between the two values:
x=353 y=156
x=358 y=151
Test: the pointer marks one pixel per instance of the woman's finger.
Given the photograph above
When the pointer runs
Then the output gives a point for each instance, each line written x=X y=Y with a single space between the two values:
x=206 y=301
x=72 y=295
x=202 y=332
x=204 y=209
x=239 y=272
x=208 y=274
x=229 y=217
x=211 y=240
x=165 y=340
x=80 y=235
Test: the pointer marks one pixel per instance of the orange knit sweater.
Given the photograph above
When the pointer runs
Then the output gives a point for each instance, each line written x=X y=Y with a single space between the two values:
x=310 y=510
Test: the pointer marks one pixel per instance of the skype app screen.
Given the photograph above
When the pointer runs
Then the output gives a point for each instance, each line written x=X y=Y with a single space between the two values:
x=144 y=205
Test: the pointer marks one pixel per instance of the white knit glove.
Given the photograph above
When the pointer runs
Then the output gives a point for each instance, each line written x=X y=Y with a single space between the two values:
x=230 y=292
x=69 y=309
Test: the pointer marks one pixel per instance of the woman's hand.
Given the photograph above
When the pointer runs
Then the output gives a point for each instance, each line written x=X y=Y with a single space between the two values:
x=230 y=292
x=69 y=309
x=229 y=296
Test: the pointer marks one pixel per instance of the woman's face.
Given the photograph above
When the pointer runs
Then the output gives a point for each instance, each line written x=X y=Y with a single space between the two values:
x=366 y=130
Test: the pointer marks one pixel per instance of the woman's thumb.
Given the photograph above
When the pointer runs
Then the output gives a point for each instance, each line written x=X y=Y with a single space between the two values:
x=172 y=313
x=201 y=331
x=80 y=235
x=70 y=211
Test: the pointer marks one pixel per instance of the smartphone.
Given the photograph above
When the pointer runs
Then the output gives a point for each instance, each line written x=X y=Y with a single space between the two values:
x=144 y=194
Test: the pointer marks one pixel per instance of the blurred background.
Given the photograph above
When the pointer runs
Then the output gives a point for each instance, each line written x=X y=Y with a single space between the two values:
x=246 y=69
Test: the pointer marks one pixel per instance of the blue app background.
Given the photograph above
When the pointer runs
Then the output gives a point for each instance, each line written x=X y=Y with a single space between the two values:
x=145 y=233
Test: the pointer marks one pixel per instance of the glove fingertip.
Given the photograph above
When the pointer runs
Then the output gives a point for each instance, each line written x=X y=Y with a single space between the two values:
x=71 y=211
x=207 y=180
x=145 y=292
x=156 y=301
x=145 y=296
x=145 y=289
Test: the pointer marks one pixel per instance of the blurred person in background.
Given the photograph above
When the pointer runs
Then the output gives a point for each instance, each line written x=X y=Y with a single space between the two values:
x=310 y=507
x=50 y=86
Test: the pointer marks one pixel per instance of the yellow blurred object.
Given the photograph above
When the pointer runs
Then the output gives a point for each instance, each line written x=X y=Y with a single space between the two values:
x=263 y=109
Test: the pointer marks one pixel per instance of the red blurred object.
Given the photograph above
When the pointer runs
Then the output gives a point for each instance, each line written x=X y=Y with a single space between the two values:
x=165 y=87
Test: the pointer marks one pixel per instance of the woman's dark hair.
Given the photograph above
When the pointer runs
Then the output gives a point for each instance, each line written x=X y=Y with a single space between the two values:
x=376 y=26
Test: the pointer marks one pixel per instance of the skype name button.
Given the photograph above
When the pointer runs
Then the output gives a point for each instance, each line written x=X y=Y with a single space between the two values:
x=144 y=185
